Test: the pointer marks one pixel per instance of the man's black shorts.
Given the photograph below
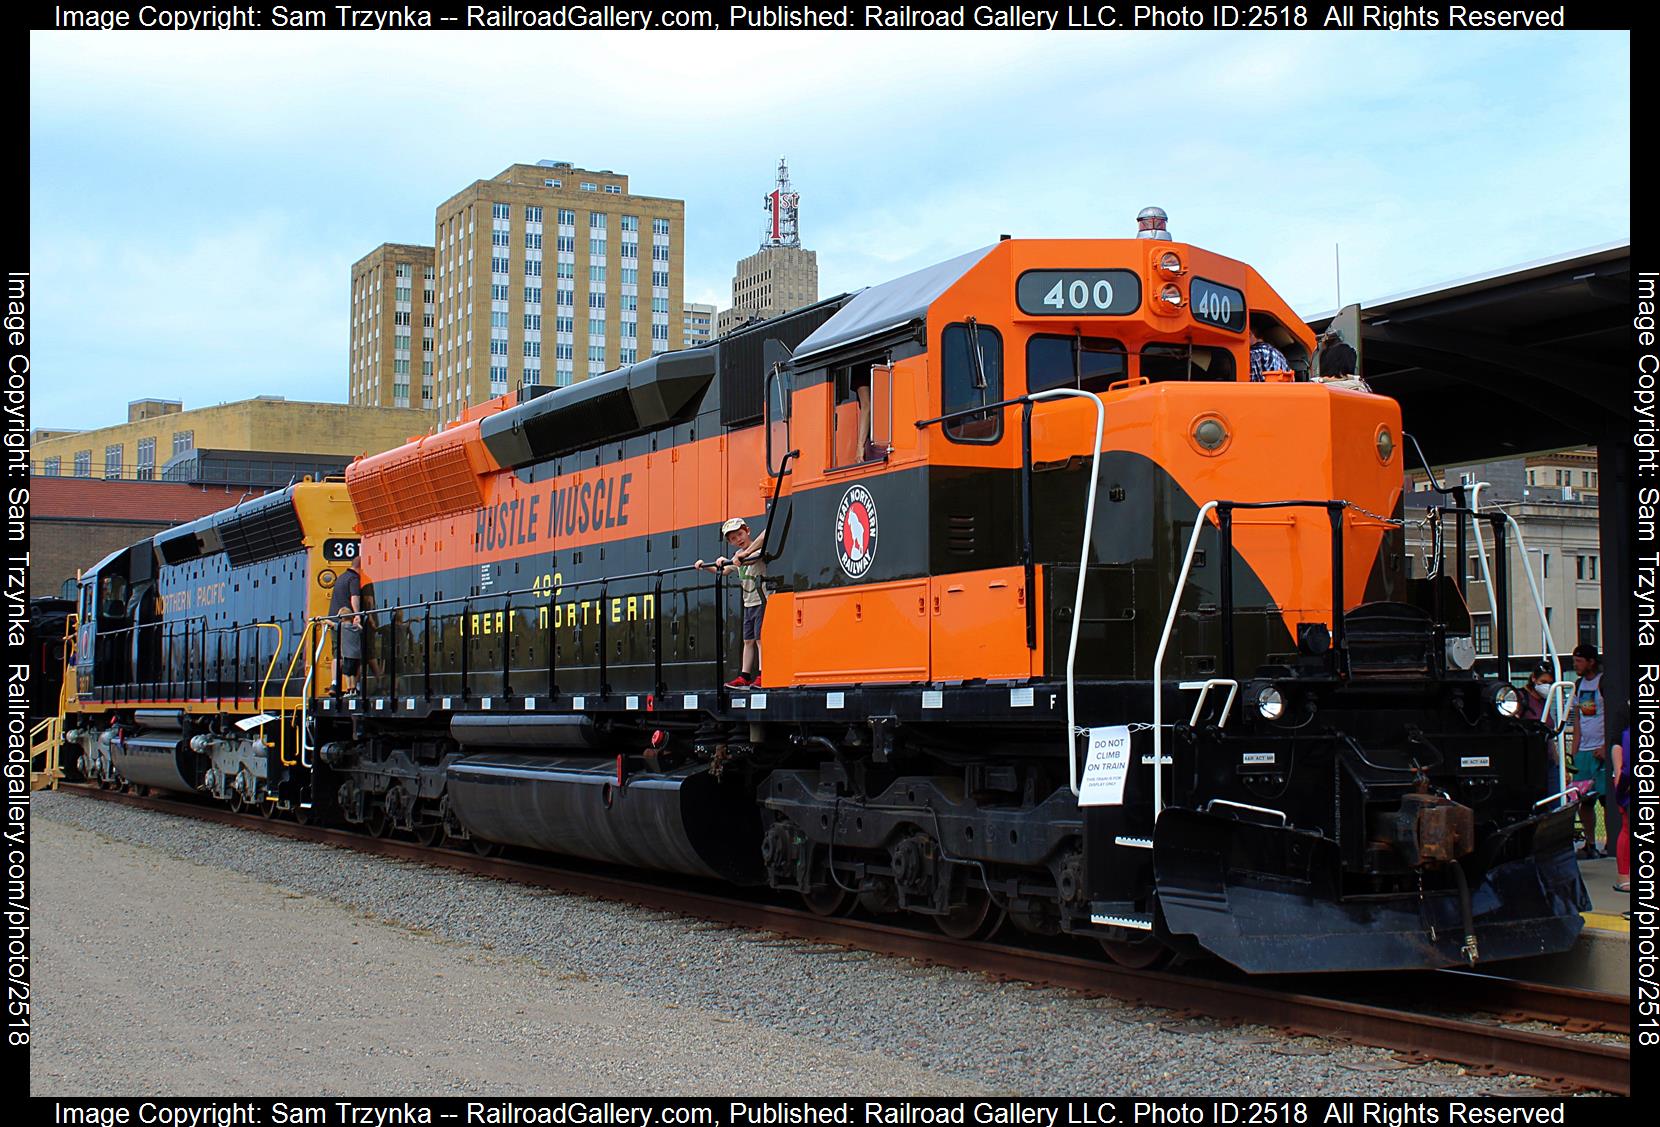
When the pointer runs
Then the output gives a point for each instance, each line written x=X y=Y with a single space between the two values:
x=752 y=622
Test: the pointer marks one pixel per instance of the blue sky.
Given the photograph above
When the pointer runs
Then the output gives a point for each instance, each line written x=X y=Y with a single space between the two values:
x=196 y=201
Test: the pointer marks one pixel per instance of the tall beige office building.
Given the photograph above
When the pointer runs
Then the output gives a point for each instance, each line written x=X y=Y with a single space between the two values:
x=547 y=274
x=700 y=323
x=771 y=281
x=781 y=276
x=391 y=338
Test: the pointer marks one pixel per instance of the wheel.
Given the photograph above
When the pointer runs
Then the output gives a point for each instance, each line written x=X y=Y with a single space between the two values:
x=429 y=834
x=1145 y=953
x=141 y=791
x=485 y=848
x=828 y=900
x=975 y=918
x=267 y=808
x=305 y=815
x=376 y=821
x=236 y=802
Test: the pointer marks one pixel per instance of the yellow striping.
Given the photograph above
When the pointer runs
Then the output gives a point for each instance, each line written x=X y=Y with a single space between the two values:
x=1607 y=921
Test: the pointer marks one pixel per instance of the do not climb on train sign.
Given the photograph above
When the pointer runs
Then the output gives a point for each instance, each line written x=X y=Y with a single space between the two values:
x=1105 y=767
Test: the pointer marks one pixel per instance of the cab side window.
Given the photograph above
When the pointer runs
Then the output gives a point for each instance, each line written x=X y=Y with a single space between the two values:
x=971 y=374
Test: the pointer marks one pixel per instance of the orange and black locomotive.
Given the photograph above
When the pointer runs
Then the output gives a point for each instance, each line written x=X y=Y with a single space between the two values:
x=1071 y=620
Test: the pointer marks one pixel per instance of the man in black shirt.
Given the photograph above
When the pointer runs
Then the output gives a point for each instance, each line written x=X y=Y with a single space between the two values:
x=346 y=602
x=1336 y=357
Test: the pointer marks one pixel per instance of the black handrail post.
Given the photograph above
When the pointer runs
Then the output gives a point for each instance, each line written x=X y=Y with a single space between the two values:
x=236 y=661
x=364 y=633
x=392 y=656
x=426 y=646
x=552 y=642
x=1339 y=643
x=507 y=650
x=1438 y=542
x=720 y=628
x=1501 y=595
x=1224 y=521
x=219 y=667
x=657 y=636
x=1463 y=572
x=1027 y=552
x=604 y=640
x=466 y=643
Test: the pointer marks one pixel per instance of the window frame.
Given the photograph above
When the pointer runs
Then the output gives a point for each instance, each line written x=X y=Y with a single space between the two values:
x=1084 y=342
x=993 y=391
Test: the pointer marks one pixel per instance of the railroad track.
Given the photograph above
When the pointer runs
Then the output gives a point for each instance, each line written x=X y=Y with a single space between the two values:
x=1321 y=1007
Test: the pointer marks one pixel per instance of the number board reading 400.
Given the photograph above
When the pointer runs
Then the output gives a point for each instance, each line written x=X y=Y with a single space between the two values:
x=1078 y=293
x=1216 y=304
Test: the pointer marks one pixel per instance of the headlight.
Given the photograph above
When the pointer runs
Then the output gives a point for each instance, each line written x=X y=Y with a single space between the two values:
x=1270 y=704
x=1169 y=265
x=1170 y=294
x=1506 y=700
x=1386 y=445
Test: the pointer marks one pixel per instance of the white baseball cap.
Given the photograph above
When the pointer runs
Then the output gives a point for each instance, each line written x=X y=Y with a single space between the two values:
x=733 y=524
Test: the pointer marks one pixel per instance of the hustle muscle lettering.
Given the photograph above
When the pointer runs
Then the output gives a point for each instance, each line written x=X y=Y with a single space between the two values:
x=591 y=506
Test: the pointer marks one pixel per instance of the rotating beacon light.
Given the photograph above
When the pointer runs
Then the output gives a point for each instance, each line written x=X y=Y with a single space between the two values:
x=1151 y=223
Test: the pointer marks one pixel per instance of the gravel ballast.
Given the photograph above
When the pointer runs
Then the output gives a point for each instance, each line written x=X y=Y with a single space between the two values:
x=186 y=957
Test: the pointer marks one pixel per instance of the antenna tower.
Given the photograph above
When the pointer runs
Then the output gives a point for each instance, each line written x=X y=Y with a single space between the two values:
x=782 y=206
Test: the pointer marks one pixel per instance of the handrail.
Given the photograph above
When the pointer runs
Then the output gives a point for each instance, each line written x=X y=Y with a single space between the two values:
x=1557 y=686
x=1204 y=688
x=1158 y=658
x=1083 y=571
x=551 y=594
x=1336 y=509
x=259 y=701
x=71 y=640
x=168 y=629
x=1501 y=616
x=1072 y=729
x=305 y=693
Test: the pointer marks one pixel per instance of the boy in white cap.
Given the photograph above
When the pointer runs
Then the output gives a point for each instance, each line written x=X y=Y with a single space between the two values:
x=746 y=559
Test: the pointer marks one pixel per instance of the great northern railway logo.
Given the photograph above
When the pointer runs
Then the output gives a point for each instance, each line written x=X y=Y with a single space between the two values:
x=856 y=531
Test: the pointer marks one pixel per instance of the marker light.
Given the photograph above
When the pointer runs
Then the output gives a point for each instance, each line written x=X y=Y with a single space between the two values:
x=1506 y=700
x=1386 y=445
x=1210 y=434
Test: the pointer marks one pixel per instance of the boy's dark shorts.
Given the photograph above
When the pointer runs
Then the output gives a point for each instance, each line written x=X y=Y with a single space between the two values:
x=349 y=666
x=752 y=622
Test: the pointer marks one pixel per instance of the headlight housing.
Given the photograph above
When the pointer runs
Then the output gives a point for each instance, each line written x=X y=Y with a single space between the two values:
x=1270 y=704
x=1505 y=699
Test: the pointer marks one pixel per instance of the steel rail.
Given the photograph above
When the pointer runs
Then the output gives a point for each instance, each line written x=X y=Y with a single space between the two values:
x=1500 y=1047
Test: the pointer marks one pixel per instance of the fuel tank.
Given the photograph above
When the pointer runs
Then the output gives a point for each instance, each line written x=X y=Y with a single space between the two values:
x=679 y=821
x=152 y=758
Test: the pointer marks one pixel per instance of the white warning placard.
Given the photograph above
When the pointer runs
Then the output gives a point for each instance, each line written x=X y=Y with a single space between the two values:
x=1106 y=765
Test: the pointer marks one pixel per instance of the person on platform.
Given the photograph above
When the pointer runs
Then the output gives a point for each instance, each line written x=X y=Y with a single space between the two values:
x=1535 y=692
x=1590 y=746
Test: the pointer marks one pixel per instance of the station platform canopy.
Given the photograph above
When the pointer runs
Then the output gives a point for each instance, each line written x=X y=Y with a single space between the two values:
x=1512 y=362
